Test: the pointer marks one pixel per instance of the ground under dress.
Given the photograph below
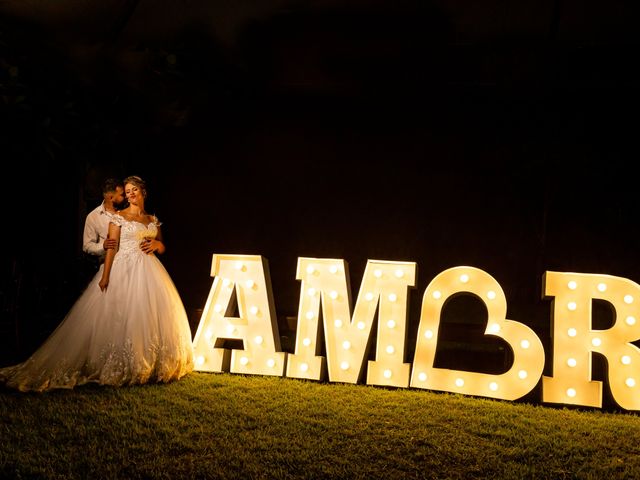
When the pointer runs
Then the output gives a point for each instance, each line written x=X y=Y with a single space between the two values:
x=135 y=332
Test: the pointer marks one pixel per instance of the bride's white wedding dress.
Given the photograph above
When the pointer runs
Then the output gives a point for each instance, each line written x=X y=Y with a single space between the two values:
x=136 y=331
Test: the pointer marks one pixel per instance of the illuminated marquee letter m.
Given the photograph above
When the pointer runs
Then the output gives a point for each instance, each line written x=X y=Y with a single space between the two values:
x=347 y=338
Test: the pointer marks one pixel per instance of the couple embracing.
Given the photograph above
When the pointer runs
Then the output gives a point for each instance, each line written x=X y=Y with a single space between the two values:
x=129 y=326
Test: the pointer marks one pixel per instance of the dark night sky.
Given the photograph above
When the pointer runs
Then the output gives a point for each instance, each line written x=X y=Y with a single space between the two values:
x=495 y=134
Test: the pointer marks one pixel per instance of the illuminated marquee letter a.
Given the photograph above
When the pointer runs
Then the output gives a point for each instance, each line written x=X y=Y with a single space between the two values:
x=241 y=279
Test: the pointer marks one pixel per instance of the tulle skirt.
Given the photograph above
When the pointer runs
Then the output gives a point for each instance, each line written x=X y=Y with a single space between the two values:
x=135 y=332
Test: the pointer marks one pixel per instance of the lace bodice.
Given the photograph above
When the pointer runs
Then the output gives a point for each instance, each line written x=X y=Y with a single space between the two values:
x=132 y=233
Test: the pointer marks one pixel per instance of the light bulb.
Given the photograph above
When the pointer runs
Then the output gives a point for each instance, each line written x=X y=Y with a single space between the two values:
x=387 y=373
x=258 y=340
x=491 y=295
x=344 y=365
x=377 y=273
x=393 y=297
x=464 y=278
x=391 y=324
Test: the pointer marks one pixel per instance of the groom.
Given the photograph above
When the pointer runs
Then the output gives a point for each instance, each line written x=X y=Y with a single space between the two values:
x=96 y=225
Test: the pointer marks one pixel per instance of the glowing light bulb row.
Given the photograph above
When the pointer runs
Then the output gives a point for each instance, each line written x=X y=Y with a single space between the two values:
x=572 y=285
x=595 y=341
x=244 y=361
x=601 y=287
x=459 y=382
x=387 y=373
x=629 y=382
x=312 y=270
x=271 y=363
x=628 y=299
x=312 y=292
x=399 y=273
x=370 y=296
x=250 y=284
x=624 y=359
x=339 y=324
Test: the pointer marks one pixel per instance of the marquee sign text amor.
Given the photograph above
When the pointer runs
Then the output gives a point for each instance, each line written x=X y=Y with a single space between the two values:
x=243 y=281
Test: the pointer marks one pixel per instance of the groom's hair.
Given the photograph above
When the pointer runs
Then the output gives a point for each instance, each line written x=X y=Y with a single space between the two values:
x=110 y=185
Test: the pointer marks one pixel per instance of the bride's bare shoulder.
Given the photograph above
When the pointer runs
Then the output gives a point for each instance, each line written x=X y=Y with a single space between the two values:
x=125 y=213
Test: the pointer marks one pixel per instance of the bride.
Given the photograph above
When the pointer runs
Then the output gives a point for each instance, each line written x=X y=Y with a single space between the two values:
x=128 y=327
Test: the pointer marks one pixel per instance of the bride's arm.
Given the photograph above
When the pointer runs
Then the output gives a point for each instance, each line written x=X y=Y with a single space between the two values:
x=160 y=248
x=114 y=232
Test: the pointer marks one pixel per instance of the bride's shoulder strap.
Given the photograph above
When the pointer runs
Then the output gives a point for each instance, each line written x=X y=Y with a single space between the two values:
x=116 y=219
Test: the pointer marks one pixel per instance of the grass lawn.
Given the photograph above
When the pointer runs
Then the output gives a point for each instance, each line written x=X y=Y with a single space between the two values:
x=246 y=427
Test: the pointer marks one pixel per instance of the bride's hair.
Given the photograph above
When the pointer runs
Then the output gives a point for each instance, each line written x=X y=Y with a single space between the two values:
x=138 y=182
